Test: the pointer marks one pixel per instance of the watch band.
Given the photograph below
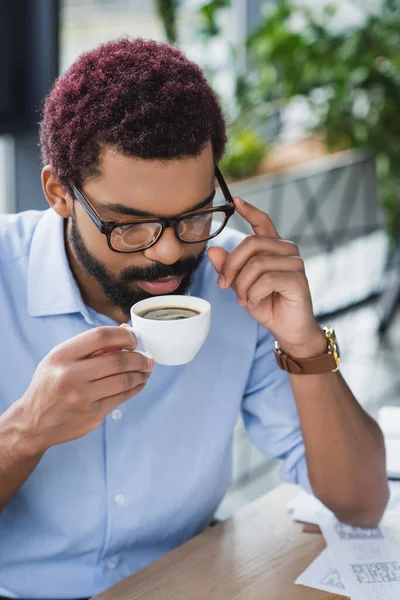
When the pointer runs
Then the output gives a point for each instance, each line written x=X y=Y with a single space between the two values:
x=311 y=366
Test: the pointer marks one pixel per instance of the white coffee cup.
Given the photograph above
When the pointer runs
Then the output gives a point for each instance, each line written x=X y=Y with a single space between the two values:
x=174 y=342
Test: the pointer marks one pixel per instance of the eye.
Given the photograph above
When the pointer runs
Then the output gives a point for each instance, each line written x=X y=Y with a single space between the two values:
x=134 y=237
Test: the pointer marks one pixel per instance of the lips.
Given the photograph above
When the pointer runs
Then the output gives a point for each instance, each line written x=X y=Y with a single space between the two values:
x=168 y=285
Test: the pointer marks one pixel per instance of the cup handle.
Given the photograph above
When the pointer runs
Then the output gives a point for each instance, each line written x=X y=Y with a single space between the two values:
x=135 y=333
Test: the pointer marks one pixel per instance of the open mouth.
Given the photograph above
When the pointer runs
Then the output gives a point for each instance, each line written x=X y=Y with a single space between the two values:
x=168 y=285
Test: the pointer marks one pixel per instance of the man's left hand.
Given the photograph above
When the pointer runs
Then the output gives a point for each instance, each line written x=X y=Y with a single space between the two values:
x=268 y=276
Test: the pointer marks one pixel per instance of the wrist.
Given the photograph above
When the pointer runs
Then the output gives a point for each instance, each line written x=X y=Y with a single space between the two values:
x=16 y=430
x=315 y=346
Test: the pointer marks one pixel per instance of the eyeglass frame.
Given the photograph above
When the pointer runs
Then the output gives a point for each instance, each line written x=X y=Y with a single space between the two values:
x=107 y=227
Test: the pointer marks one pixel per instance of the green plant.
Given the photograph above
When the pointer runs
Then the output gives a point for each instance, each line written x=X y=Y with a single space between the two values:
x=245 y=150
x=350 y=79
x=209 y=12
x=244 y=153
x=167 y=10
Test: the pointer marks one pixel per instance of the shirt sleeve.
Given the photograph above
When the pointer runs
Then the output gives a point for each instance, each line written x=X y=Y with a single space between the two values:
x=270 y=415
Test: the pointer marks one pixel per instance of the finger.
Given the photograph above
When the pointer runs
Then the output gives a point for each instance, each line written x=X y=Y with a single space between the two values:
x=92 y=341
x=115 y=384
x=293 y=286
x=217 y=257
x=106 y=351
x=260 y=264
x=101 y=367
x=259 y=220
x=252 y=245
x=107 y=405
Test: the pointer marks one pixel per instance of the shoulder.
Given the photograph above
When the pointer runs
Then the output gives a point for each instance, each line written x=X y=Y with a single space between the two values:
x=16 y=231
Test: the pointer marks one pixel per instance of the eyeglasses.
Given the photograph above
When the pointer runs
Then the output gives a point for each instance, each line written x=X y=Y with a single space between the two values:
x=190 y=228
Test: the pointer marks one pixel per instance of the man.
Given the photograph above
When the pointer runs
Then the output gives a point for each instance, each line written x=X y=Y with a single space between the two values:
x=107 y=461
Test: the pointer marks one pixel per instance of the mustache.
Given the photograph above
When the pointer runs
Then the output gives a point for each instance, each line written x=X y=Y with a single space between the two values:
x=159 y=271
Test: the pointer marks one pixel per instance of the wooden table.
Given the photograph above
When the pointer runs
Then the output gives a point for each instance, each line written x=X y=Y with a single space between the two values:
x=255 y=555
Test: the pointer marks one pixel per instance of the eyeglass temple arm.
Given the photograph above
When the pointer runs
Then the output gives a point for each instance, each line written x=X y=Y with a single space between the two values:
x=90 y=211
x=224 y=187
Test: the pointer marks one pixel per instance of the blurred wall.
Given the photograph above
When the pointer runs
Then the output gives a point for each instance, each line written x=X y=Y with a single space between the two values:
x=31 y=33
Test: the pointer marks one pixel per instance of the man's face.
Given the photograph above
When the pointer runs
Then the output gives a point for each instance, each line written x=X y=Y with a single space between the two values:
x=156 y=189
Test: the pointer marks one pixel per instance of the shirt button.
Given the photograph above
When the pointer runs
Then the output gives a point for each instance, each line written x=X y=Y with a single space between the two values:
x=119 y=499
x=116 y=414
x=112 y=563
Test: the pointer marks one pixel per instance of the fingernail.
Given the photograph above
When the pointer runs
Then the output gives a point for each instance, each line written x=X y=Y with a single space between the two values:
x=150 y=364
x=241 y=201
x=251 y=304
x=241 y=302
x=222 y=281
x=147 y=376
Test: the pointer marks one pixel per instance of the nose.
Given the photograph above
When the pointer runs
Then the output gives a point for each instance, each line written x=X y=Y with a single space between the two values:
x=167 y=250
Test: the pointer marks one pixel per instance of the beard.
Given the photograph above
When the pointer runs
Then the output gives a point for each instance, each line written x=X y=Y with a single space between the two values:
x=119 y=290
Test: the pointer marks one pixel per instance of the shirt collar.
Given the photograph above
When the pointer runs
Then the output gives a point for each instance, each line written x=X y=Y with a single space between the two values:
x=52 y=289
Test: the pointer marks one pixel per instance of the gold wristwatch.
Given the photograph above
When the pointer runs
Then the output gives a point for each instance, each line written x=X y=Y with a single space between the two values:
x=329 y=361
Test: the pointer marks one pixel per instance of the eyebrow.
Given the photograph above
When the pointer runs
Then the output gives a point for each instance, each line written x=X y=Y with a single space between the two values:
x=135 y=212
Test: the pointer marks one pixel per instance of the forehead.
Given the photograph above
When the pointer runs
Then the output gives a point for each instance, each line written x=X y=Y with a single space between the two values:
x=160 y=187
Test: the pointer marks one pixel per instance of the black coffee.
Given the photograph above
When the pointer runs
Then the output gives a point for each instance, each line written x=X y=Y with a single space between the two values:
x=168 y=313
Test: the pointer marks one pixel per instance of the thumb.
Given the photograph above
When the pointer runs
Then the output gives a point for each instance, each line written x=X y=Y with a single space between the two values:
x=217 y=257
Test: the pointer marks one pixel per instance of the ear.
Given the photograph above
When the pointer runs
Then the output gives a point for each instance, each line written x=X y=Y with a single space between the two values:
x=56 y=194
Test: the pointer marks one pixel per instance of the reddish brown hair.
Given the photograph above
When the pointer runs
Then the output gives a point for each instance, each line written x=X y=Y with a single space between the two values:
x=144 y=98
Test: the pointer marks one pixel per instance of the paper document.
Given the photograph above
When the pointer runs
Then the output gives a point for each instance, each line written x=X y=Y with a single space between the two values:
x=323 y=575
x=307 y=510
x=368 y=563
x=291 y=505
x=305 y=507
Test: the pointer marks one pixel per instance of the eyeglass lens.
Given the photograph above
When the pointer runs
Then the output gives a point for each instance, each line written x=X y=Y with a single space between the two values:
x=198 y=228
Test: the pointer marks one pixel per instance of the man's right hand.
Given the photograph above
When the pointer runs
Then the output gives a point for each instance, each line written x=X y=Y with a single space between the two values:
x=73 y=391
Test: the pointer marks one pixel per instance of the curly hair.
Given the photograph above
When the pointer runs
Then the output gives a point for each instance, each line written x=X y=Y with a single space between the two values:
x=144 y=98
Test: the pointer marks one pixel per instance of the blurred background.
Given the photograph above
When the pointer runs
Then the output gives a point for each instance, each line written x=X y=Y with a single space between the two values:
x=311 y=93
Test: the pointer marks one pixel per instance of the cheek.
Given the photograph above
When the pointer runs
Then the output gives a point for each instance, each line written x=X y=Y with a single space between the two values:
x=115 y=262
x=97 y=244
x=193 y=250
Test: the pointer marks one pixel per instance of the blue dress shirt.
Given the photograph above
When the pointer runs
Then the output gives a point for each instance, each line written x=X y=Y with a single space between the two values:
x=151 y=476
